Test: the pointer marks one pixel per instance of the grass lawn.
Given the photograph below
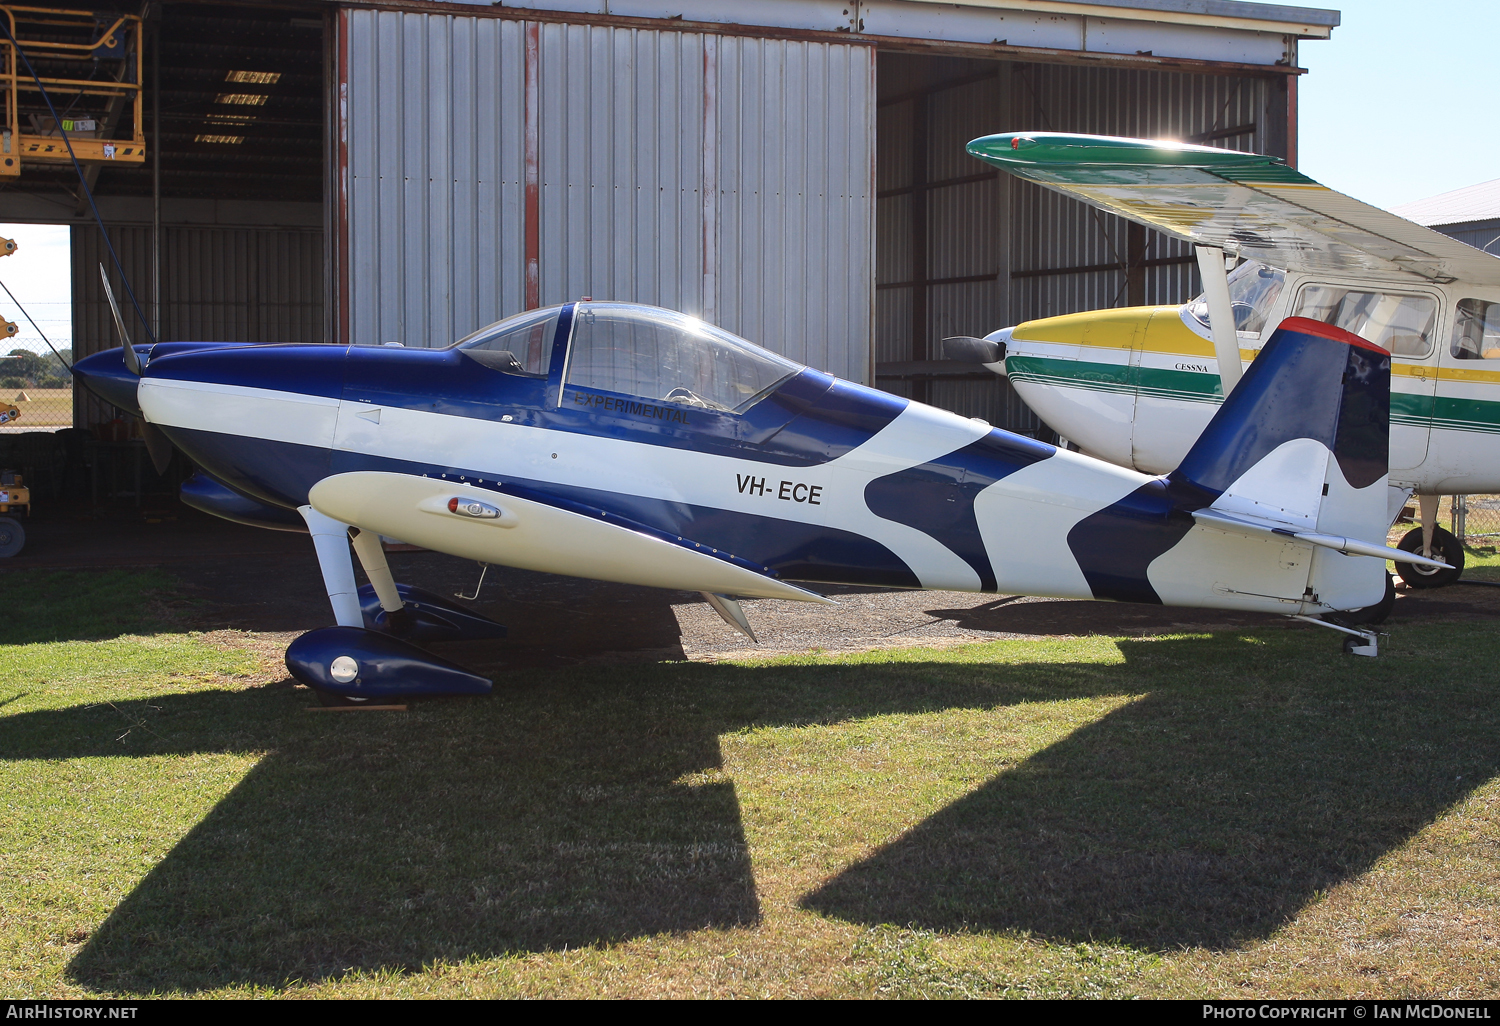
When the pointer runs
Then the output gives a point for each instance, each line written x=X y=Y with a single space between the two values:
x=1244 y=814
x=43 y=407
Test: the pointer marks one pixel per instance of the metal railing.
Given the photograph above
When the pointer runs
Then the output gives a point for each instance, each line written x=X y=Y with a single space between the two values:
x=90 y=109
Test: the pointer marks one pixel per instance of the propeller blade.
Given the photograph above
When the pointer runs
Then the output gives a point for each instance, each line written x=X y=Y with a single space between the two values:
x=157 y=445
x=132 y=359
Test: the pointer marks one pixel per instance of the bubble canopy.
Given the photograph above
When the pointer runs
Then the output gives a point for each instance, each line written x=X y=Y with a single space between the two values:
x=635 y=350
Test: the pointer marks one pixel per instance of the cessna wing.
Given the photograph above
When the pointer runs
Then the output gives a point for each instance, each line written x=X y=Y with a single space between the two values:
x=1247 y=204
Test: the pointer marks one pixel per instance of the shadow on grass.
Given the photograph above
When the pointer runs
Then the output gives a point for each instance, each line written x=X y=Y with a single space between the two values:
x=70 y=605
x=1014 y=614
x=1206 y=814
x=574 y=809
x=387 y=840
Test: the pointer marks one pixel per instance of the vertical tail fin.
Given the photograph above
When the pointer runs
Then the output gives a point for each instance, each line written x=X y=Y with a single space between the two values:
x=1300 y=447
x=1304 y=441
x=1315 y=399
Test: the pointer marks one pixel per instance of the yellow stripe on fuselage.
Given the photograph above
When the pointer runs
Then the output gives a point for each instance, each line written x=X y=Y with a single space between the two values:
x=1159 y=329
x=1151 y=329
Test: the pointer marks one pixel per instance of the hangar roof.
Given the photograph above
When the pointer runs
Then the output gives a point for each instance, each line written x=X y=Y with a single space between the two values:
x=1471 y=203
x=1304 y=22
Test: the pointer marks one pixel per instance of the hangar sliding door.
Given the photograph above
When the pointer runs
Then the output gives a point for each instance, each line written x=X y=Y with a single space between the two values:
x=963 y=249
x=486 y=165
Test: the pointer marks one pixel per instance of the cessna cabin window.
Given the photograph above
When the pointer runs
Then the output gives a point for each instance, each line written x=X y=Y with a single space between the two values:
x=1402 y=324
x=1253 y=291
x=671 y=357
x=1476 y=330
x=517 y=345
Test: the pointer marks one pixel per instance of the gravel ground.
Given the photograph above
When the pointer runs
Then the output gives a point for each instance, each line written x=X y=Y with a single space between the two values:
x=246 y=579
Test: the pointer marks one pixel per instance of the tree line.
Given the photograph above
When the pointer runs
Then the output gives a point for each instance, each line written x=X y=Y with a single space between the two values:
x=25 y=369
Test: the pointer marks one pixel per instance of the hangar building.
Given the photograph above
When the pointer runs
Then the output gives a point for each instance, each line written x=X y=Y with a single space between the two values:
x=793 y=170
x=1470 y=214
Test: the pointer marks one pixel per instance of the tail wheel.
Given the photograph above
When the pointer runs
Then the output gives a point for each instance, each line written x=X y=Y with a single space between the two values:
x=1370 y=614
x=1444 y=546
x=12 y=536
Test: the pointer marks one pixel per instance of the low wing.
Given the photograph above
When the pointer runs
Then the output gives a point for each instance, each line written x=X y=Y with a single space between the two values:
x=1245 y=203
x=512 y=530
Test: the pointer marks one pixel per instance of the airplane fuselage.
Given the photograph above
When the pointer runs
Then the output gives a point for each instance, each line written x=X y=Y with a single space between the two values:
x=818 y=480
x=1136 y=386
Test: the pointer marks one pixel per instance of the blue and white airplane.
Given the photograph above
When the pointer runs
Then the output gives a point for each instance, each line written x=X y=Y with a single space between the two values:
x=628 y=443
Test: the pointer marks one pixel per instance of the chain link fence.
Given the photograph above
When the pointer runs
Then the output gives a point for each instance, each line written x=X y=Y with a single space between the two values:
x=1474 y=518
x=38 y=387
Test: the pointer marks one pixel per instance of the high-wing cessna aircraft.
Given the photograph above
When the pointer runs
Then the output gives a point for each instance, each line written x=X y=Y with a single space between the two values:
x=1137 y=386
x=628 y=443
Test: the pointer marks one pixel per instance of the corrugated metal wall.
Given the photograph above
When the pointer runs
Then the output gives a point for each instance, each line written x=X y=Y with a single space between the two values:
x=218 y=284
x=435 y=168
x=621 y=166
x=1051 y=231
x=795 y=171
x=631 y=124
x=1479 y=234
x=991 y=246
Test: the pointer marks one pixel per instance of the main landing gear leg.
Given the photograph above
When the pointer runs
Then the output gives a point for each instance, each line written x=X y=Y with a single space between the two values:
x=331 y=540
x=372 y=557
x=351 y=664
x=1427 y=506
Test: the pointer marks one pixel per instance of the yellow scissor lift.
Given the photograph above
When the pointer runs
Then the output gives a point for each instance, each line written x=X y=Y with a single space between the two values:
x=90 y=108
x=14 y=495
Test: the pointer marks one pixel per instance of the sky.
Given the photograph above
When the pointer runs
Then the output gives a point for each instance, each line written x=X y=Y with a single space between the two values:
x=1401 y=102
x=40 y=275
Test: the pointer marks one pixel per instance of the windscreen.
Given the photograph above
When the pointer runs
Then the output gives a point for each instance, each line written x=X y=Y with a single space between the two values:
x=1253 y=291
x=518 y=345
x=660 y=354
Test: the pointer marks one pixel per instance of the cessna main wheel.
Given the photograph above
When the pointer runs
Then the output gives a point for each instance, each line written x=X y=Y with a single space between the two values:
x=1444 y=546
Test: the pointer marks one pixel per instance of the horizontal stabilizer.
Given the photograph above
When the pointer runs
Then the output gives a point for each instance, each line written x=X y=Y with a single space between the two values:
x=1243 y=523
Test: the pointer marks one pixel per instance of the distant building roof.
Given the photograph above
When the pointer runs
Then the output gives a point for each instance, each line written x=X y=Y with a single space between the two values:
x=1472 y=203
